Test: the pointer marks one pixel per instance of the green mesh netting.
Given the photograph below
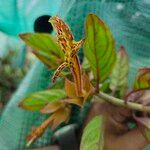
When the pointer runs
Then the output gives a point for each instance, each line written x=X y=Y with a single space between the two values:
x=128 y=20
x=18 y=16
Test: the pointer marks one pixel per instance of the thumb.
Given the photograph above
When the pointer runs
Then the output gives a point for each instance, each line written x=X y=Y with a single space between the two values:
x=132 y=140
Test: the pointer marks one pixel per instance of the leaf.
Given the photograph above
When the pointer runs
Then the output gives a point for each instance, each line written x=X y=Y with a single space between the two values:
x=59 y=84
x=70 y=88
x=119 y=76
x=145 y=121
x=60 y=116
x=143 y=79
x=44 y=47
x=146 y=133
x=38 y=131
x=38 y=100
x=76 y=101
x=85 y=65
x=87 y=86
x=105 y=87
x=144 y=125
x=92 y=138
x=52 y=107
x=88 y=90
x=99 y=47
x=140 y=96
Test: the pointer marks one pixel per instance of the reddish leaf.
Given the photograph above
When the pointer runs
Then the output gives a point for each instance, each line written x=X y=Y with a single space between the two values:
x=145 y=121
x=87 y=86
x=143 y=79
x=144 y=125
x=52 y=107
x=70 y=88
x=60 y=116
x=140 y=96
x=143 y=97
x=76 y=101
x=37 y=132
x=89 y=90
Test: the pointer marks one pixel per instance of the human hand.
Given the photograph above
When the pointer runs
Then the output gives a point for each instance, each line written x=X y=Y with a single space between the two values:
x=117 y=135
x=54 y=147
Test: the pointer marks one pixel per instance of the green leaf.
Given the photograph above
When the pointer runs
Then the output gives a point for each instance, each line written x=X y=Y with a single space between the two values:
x=146 y=133
x=105 y=87
x=99 y=47
x=44 y=47
x=92 y=138
x=38 y=100
x=85 y=65
x=143 y=79
x=119 y=76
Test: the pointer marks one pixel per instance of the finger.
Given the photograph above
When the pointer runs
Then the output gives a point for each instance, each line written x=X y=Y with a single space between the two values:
x=96 y=108
x=54 y=147
x=134 y=139
x=115 y=117
x=116 y=120
x=119 y=114
x=113 y=127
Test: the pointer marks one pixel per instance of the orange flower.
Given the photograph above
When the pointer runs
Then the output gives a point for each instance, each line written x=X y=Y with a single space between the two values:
x=70 y=49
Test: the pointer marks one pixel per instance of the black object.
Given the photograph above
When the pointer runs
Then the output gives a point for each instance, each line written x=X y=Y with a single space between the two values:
x=67 y=138
x=42 y=25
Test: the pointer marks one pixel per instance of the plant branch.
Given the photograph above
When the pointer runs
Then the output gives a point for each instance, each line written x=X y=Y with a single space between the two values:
x=121 y=102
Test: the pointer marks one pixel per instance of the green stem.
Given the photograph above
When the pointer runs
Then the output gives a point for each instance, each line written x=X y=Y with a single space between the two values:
x=120 y=102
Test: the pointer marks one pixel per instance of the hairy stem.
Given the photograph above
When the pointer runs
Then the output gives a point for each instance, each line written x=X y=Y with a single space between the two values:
x=121 y=102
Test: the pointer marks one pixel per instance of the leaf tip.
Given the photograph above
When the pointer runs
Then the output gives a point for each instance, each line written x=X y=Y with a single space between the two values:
x=20 y=105
x=50 y=20
x=23 y=35
x=122 y=51
x=29 y=143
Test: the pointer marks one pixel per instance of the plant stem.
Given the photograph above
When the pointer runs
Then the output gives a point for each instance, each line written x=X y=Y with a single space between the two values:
x=97 y=85
x=121 y=102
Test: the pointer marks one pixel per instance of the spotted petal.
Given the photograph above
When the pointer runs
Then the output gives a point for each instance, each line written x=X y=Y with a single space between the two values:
x=64 y=34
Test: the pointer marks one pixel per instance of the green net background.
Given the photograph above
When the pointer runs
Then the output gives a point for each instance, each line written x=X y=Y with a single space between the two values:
x=129 y=22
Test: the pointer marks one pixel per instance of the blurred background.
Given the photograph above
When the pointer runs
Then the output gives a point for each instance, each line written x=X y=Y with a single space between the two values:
x=17 y=16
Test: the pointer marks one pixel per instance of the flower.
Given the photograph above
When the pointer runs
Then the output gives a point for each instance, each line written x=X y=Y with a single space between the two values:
x=70 y=49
